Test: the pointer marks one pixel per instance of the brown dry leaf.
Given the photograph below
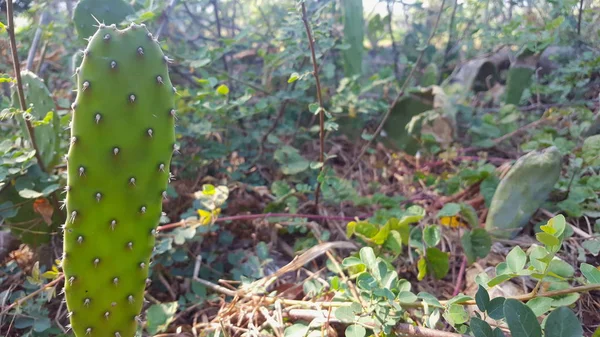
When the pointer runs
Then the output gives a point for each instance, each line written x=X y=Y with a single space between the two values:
x=43 y=207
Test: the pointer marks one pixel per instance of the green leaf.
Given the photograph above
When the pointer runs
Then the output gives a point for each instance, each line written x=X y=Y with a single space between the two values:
x=456 y=314
x=591 y=151
x=351 y=261
x=347 y=313
x=496 y=308
x=42 y=324
x=182 y=234
x=476 y=244
x=407 y=297
x=499 y=279
x=382 y=235
x=367 y=256
x=29 y=194
x=562 y=322
x=296 y=330
x=432 y=235
x=450 y=209
x=591 y=273
x=547 y=239
x=540 y=305
x=469 y=214
x=223 y=90
x=437 y=262
x=421 y=268
x=293 y=77
x=159 y=316
x=516 y=259
x=482 y=298
x=292 y=162
x=521 y=320
x=394 y=242
x=488 y=188
x=499 y=333
x=480 y=328
x=592 y=245
x=355 y=330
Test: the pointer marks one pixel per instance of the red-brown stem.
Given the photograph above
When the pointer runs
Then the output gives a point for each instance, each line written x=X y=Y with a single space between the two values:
x=311 y=44
x=269 y=215
x=461 y=275
x=17 y=69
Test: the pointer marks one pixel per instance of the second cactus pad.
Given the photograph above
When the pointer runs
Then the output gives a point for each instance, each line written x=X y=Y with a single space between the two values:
x=118 y=170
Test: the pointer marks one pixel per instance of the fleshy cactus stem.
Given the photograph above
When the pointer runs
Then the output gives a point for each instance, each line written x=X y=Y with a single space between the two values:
x=122 y=141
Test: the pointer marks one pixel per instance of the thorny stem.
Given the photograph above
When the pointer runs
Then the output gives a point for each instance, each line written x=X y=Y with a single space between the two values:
x=400 y=93
x=17 y=69
x=311 y=44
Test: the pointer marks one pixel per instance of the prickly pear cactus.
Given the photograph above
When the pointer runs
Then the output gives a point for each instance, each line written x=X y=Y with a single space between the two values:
x=118 y=170
x=106 y=11
x=39 y=98
x=519 y=79
x=430 y=75
x=522 y=191
x=354 y=35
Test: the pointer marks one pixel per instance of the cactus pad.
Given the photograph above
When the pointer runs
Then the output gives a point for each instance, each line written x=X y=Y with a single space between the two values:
x=122 y=140
x=106 y=11
x=522 y=191
x=39 y=98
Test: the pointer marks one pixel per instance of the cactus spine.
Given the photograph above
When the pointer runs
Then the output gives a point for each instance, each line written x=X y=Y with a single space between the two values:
x=88 y=12
x=122 y=140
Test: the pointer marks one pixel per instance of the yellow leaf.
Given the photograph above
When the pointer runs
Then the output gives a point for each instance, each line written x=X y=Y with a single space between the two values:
x=223 y=89
x=50 y=274
x=205 y=216
x=451 y=221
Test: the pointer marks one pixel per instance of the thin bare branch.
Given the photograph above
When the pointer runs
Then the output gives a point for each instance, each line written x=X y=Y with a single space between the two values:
x=311 y=44
x=17 y=69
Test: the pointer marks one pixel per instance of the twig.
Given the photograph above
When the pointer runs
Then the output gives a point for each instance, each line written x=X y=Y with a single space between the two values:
x=449 y=44
x=248 y=84
x=280 y=114
x=400 y=94
x=390 y=9
x=519 y=130
x=33 y=294
x=461 y=276
x=36 y=41
x=165 y=18
x=262 y=216
x=311 y=44
x=17 y=69
x=38 y=69
x=219 y=36
x=579 y=18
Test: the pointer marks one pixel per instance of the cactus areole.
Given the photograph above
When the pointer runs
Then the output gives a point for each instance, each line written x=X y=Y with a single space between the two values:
x=122 y=141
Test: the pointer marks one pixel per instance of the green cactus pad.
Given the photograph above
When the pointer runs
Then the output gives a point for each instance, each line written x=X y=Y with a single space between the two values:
x=47 y=132
x=522 y=191
x=430 y=75
x=519 y=79
x=118 y=169
x=106 y=11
